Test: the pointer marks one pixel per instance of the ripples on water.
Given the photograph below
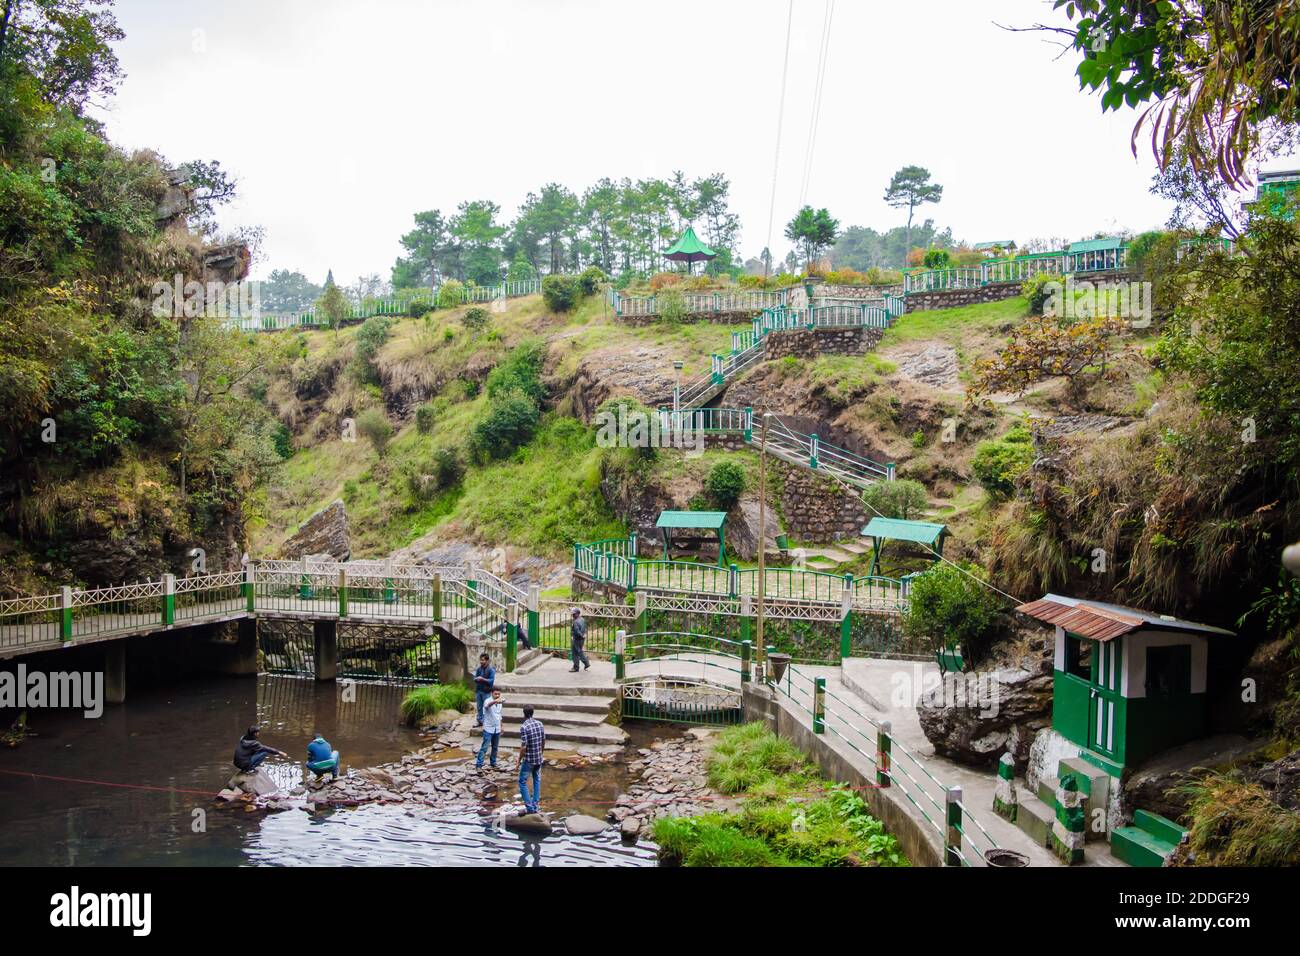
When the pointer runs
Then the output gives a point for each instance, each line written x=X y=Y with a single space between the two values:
x=181 y=739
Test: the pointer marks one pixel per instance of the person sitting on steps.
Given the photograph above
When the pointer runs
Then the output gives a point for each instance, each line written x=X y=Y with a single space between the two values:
x=579 y=639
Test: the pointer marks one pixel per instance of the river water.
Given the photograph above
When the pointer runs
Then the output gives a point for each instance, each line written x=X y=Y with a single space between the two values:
x=135 y=787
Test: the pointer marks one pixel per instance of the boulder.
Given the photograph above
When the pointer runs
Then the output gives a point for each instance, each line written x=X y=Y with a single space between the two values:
x=1153 y=785
x=324 y=535
x=982 y=715
x=1282 y=779
x=742 y=528
x=529 y=823
x=630 y=829
x=258 y=783
x=579 y=824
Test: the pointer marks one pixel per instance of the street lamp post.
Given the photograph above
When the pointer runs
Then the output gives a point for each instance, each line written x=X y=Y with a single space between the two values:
x=762 y=541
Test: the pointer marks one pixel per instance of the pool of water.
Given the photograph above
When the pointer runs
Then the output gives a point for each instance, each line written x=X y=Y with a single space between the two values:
x=135 y=787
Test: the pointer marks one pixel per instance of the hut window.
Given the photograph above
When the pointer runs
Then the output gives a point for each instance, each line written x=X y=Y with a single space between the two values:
x=1169 y=671
x=1078 y=656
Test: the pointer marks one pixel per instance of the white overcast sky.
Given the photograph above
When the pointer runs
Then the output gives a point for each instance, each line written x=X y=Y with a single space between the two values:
x=342 y=118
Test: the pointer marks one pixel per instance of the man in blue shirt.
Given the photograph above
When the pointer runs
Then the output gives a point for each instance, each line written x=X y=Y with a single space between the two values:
x=532 y=741
x=322 y=758
x=484 y=680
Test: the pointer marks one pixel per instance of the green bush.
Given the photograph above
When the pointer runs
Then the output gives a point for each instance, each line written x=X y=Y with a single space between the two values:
x=510 y=422
x=950 y=606
x=419 y=308
x=1038 y=289
x=443 y=469
x=451 y=294
x=374 y=424
x=670 y=305
x=425 y=417
x=903 y=498
x=429 y=700
x=724 y=485
x=477 y=319
x=561 y=293
x=591 y=279
x=998 y=464
x=283 y=440
x=520 y=371
x=936 y=259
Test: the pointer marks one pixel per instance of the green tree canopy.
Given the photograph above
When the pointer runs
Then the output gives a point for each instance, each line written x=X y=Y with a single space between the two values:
x=909 y=188
x=814 y=230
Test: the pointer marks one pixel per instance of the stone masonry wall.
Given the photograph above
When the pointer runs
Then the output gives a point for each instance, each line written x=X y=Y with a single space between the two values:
x=817 y=508
x=951 y=298
x=807 y=344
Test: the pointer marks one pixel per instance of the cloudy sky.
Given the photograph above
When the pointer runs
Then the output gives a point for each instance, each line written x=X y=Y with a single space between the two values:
x=342 y=118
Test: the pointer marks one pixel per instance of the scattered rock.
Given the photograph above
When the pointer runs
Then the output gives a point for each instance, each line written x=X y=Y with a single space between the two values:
x=529 y=823
x=579 y=824
x=630 y=829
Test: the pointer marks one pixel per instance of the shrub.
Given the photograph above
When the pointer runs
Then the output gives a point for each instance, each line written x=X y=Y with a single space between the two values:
x=949 y=605
x=561 y=293
x=510 y=421
x=441 y=471
x=671 y=306
x=476 y=319
x=425 y=416
x=1235 y=823
x=374 y=424
x=725 y=484
x=591 y=279
x=903 y=498
x=520 y=371
x=918 y=439
x=998 y=464
x=936 y=259
x=451 y=294
x=419 y=308
x=429 y=700
x=282 y=438
x=350 y=490
x=662 y=280
x=1038 y=289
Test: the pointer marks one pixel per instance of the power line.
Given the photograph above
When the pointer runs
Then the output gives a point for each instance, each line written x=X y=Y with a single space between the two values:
x=780 y=119
x=814 y=119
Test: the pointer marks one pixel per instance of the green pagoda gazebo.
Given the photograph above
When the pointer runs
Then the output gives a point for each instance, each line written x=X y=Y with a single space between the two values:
x=689 y=249
x=715 y=521
x=926 y=533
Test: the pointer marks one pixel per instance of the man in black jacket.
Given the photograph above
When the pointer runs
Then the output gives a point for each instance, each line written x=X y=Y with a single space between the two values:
x=251 y=751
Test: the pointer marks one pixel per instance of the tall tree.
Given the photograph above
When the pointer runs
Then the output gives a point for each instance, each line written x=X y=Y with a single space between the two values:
x=911 y=187
x=477 y=233
x=815 y=230
x=431 y=255
x=286 y=291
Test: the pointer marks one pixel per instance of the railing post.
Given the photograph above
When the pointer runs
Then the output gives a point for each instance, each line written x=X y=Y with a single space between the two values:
x=343 y=592
x=390 y=593
x=749 y=425
x=890 y=471
x=437 y=596
x=65 y=621
x=534 y=617
x=471 y=591
x=305 y=591
x=620 y=652
x=250 y=592
x=639 y=610
x=952 y=834
x=812 y=451
x=746 y=650
x=733 y=580
x=746 y=609
x=846 y=618
x=884 y=747
x=169 y=599
x=512 y=637
x=819 y=705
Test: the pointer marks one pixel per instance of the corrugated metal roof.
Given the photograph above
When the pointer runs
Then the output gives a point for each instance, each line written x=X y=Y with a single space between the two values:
x=923 y=532
x=1103 y=622
x=691 y=519
x=1095 y=245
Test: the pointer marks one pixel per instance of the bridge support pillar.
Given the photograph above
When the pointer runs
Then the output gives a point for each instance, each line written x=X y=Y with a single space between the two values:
x=115 y=672
x=239 y=656
x=453 y=660
x=326 y=642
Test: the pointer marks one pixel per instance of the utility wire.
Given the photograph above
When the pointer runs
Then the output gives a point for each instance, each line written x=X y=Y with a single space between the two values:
x=780 y=119
x=814 y=119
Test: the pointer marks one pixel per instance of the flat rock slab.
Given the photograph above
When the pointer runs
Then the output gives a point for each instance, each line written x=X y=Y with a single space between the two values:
x=258 y=783
x=529 y=823
x=579 y=824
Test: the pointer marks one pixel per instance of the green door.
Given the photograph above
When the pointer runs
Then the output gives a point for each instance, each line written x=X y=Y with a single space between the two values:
x=1103 y=697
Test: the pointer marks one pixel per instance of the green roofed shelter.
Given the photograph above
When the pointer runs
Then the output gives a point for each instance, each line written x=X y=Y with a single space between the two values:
x=689 y=249
x=716 y=521
x=880 y=530
x=1093 y=255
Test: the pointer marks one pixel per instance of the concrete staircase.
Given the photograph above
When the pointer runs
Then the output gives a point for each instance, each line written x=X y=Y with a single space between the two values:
x=1148 y=842
x=1036 y=812
x=574 y=708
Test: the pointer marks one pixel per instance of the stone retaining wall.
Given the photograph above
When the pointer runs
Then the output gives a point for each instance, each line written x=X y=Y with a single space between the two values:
x=817 y=508
x=951 y=298
x=806 y=343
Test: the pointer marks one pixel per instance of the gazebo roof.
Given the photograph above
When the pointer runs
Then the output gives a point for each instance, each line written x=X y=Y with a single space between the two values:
x=712 y=520
x=922 y=532
x=1096 y=245
x=688 y=248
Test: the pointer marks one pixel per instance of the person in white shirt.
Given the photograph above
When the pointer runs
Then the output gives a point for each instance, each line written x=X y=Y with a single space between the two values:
x=491 y=728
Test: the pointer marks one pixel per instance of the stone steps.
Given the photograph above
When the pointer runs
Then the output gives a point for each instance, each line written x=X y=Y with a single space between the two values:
x=564 y=733
x=568 y=703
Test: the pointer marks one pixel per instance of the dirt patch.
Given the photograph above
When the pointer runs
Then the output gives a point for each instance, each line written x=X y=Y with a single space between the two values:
x=929 y=363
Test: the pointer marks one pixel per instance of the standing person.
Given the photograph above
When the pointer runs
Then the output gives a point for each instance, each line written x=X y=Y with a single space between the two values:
x=484 y=680
x=491 y=728
x=250 y=751
x=579 y=639
x=532 y=741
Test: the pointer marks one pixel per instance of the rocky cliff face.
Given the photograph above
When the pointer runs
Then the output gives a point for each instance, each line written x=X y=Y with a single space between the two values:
x=323 y=535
